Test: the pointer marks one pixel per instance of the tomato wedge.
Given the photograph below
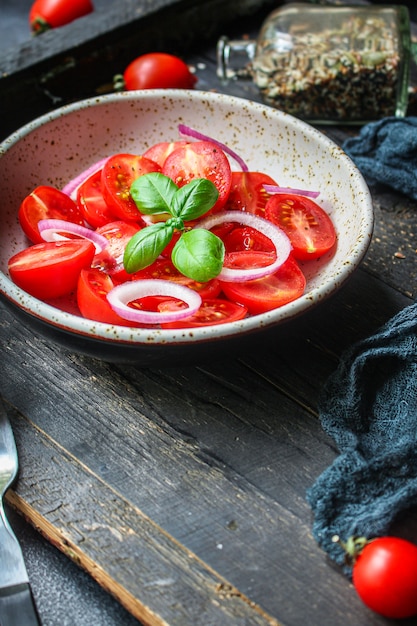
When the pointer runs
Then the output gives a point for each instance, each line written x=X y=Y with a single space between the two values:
x=307 y=225
x=92 y=289
x=46 y=202
x=159 y=152
x=200 y=159
x=212 y=312
x=165 y=270
x=51 y=270
x=117 y=176
x=91 y=202
x=110 y=260
x=247 y=192
x=270 y=292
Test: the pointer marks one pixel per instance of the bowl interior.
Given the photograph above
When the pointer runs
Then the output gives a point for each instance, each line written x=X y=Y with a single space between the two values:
x=57 y=147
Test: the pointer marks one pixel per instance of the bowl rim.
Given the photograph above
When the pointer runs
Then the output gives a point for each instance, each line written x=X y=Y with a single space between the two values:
x=80 y=326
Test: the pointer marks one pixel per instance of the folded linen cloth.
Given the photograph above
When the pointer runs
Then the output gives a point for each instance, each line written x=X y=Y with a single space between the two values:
x=369 y=407
x=386 y=152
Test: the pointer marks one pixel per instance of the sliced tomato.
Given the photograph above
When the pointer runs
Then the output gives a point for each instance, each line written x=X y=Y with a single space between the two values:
x=200 y=159
x=211 y=312
x=117 y=176
x=51 y=270
x=165 y=270
x=92 y=289
x=270 y=292
x=110 y=260
x=46 y=202
x=247 y=192
x=247 y=238
x=159 y=152
x=307 y=225
x=91 y=202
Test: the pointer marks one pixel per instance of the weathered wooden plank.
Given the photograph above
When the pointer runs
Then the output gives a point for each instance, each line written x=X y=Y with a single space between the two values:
x=219 y=466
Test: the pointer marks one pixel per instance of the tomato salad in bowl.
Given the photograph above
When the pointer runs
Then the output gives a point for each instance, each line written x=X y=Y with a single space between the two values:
x=176 y=237
x=74 y=165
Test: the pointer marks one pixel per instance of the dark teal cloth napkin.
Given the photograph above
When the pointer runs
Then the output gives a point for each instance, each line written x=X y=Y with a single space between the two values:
x=386 y=152
x=369 y=407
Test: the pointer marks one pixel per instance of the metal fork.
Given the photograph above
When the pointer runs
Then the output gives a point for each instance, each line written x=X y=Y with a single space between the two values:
x=17 y=607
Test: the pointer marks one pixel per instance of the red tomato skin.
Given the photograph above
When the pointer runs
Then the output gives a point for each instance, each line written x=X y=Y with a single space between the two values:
x=51 y=270
x=55 y=13
x=200 y=159
x=91 y=203
x=264 y=294
x=110 y=260
x=213 y=311
x=158 y=70
x=117 y=175
x=46 y=202
x=247 y=192
x=159 y=152
x=165 y=270
x=92 y=289
x=307 y=225
x=385 y=577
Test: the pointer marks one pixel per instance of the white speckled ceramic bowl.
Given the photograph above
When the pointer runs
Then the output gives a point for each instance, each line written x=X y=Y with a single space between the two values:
x=56 y=147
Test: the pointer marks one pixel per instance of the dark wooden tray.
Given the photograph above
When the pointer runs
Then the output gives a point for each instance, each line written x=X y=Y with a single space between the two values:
x=81 y=58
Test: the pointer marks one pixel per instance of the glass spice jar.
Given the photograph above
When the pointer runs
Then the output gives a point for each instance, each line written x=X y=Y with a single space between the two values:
x=327 y=64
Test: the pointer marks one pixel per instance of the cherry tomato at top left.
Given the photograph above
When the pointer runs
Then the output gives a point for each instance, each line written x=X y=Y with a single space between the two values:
x=156 y=70
x=46 y=14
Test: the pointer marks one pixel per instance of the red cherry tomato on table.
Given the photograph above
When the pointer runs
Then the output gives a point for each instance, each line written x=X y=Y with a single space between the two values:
x=51 y=270
x=385 y=577
x=307 y=225
x=46 y=203
x=46 y=14
x=158 y=70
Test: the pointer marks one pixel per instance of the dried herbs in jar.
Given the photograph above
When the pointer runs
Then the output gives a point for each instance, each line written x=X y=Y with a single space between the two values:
x=342 y=64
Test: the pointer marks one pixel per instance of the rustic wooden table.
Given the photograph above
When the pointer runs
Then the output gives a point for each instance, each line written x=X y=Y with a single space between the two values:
x=181 y=490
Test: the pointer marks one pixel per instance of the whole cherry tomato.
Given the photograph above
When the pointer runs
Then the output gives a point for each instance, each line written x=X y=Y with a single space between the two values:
x=46 y=14
x=156 y=70
x=385 y=575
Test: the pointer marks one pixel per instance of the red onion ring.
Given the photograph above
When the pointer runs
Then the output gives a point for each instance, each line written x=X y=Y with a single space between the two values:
x=297 y=192
x=51 y=230
x=186 y=131
x=71 y=187
x=120 y=296
x=276 y=235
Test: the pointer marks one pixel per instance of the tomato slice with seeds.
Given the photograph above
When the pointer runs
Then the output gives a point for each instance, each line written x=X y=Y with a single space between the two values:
x=117 y=176
x=307 y=225
x=91 y=202
x=110 y=260
x=164 y=269
x=46 y=202
x=92 y=289
x=159 y=152
x=51 y=269
x=270 y=292
x=200 y=159
x=247 y=238
x=211 y=312
x=247 y=192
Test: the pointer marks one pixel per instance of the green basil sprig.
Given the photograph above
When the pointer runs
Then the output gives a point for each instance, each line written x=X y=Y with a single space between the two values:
x=198 y=253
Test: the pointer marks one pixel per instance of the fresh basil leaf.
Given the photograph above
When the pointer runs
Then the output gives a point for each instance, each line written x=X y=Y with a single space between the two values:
x=153 y=193
x=146 y=246
x=198 y=254
x=194 y=199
